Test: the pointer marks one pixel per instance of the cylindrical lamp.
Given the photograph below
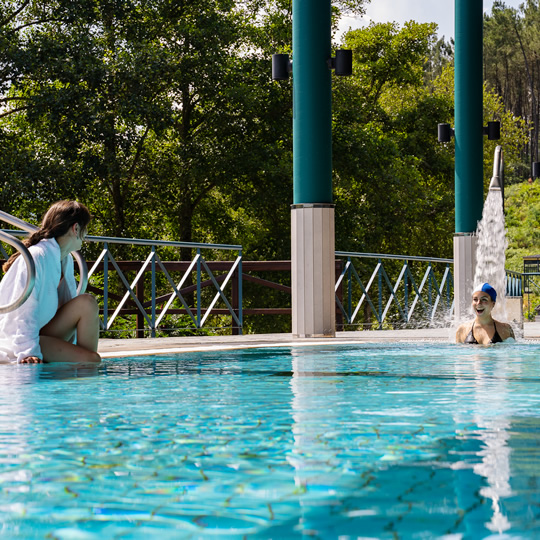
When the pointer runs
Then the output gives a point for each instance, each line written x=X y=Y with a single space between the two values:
x=343 y=62
x=280 y=67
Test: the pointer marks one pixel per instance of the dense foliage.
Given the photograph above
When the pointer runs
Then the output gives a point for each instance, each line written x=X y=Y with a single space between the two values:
x=512 y=65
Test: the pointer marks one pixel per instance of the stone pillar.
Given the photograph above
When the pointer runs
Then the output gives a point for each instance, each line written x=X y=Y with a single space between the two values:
x=464 y=267
x=469 y=176
x=313 y=270
x=312 y=213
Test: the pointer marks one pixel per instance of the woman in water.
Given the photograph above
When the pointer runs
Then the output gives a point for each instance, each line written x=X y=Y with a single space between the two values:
x=53 y=325
x=485 y=329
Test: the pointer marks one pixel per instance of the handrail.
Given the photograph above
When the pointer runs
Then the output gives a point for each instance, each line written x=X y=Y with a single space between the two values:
x=404 y=295
x=16 y=222
x=509 y=273
x=30 y=277
x=153 y=261
x=146 y=242
x=395 y=257
x=514 y=283
x=167 y=243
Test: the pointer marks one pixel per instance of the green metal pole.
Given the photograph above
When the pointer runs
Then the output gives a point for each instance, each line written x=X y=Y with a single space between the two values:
x=468 y=114
x=312 y=102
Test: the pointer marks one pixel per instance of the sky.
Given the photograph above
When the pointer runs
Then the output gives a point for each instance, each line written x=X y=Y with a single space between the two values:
x=400 y=11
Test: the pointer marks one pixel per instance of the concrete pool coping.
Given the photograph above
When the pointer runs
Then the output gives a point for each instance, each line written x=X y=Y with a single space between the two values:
x=112 y=348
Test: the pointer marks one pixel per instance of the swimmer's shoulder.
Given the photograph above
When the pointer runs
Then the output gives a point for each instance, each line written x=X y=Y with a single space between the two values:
x=462 y=331
x=505 y=330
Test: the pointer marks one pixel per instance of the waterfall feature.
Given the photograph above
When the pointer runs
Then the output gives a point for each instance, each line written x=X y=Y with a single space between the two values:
x=492 y=242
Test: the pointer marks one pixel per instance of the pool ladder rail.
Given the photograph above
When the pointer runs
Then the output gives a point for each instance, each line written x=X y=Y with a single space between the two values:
x=8 y=238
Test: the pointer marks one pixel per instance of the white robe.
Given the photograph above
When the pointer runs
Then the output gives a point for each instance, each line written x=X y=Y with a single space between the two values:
x=19 y=329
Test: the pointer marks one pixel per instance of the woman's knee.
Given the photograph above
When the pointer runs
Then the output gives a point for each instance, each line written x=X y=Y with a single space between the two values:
x=93 y=357
x=87 y=303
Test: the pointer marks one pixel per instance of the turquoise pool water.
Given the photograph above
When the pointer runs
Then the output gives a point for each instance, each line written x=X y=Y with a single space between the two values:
x=372 y=441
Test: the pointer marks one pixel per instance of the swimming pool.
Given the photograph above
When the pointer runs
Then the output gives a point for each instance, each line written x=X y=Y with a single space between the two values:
x=371 y=441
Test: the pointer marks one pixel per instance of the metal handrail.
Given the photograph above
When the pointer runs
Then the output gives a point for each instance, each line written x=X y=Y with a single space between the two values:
x=394 y=257
x=28 y=228
x=164 y=243
x=30 y=276
x=405 y=294
x=152 y=263
x=143 y=241
x=514 y=283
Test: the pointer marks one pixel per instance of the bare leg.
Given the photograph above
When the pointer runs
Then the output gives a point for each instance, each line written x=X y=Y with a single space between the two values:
x=79 y=314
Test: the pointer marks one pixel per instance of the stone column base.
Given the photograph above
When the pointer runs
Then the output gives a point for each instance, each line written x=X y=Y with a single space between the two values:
x=313 y=270
x=464 y=267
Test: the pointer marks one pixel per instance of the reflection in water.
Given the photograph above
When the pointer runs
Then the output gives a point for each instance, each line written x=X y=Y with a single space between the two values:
x=313 y=455
x=63 y=371
x=16 y=420
x=482 y=415
x=490 y=388
x=310 y=422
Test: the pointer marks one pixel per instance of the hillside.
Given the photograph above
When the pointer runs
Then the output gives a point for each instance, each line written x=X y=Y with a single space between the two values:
x=522 y=210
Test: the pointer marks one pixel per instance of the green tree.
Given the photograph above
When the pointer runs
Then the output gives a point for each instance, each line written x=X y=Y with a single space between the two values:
x=512 y=64
x=440 y=56
x=390 y=172
x=94 y=81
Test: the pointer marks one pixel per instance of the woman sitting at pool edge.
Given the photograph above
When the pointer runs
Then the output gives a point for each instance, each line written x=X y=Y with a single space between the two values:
x=484 y=330
x=45 y=327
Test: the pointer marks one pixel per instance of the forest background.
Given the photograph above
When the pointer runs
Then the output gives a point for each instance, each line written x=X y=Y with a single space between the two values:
x=161 y=116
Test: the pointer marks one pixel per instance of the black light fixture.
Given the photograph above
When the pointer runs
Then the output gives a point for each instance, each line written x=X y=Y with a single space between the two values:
x=342 y=63
x=492 y=130
x=536 y=169
x=281 y=67
x=445 y=132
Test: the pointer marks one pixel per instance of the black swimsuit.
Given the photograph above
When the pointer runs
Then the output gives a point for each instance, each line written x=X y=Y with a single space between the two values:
x=471 y=340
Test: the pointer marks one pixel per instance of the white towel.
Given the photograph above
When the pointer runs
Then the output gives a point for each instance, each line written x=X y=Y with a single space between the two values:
x=19 y=329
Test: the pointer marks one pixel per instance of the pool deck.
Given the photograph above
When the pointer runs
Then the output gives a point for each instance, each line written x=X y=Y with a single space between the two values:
x=111 y=348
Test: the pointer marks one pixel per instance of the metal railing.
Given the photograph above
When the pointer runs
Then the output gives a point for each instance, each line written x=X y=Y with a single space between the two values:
x=198 y=276
x=30 y=275
x=514 y=283
x=422 y=294
x=28 y=228
x=199 y=267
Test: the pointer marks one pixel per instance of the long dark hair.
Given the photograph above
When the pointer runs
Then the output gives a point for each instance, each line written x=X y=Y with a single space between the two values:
x=57 y=221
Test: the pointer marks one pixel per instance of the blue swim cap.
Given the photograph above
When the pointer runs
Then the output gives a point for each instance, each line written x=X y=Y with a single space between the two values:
x=487 y=288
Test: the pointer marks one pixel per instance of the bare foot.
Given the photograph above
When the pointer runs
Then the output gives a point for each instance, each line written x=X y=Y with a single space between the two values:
x=31 y=360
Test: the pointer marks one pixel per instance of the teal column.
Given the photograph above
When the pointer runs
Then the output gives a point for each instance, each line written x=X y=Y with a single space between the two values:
x=312 y=102
x=468 y=114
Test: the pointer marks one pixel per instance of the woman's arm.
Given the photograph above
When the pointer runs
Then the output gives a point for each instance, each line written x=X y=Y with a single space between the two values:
x=461 y=333
x=507 y=331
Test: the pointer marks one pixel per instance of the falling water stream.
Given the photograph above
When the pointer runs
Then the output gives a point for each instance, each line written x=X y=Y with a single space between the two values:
x=491 y=250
